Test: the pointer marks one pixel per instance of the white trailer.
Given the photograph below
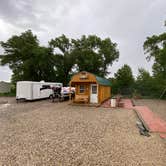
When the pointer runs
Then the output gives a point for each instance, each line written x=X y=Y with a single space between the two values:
x=30 y=90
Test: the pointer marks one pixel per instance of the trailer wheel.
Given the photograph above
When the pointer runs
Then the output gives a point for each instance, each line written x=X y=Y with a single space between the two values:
x=51 y=98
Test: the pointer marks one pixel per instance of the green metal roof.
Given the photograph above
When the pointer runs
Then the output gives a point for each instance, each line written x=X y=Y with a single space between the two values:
x=103 y=81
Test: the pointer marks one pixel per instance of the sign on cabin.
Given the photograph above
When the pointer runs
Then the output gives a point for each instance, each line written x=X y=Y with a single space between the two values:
x=83 y=75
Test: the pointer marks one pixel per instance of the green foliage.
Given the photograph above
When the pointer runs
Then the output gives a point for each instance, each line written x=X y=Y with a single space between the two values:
x=123 y=81
x=9 y=94
x=90 y=54
x=94 y=54
x=144 y=84
x=155 y=47
x=64 y=58
x=27 y=59
x=57 y=62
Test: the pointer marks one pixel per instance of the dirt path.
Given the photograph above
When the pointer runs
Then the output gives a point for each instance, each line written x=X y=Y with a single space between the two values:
x=44 y=133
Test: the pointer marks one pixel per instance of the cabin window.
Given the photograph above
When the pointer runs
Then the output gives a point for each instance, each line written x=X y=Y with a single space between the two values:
x=82 y=88
x=94 y=89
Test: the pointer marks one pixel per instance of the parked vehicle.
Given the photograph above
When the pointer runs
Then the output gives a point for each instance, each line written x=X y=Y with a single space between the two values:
x=66 y=91
x=62 y=93
x=56 y=95
x=29 y=90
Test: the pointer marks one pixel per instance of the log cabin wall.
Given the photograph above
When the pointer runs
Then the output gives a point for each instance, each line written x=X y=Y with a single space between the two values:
x=87 y=89
x=104 y=93
x=83 y=78
x=88 y=77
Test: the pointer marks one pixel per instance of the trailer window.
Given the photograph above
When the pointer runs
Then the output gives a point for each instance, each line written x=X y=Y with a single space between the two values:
x=82 y=88
x=45 y=87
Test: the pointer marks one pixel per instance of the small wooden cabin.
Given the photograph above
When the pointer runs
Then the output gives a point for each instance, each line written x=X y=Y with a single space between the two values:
x=90 y=88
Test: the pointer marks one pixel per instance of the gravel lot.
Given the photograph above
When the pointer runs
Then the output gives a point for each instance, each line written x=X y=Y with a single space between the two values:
x=157 y=106
x=45 y=133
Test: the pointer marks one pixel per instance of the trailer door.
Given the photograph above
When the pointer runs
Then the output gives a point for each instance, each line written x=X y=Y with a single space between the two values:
x=36 y=91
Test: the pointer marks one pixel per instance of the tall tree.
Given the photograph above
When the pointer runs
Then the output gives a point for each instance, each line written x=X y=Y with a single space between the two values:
x=90 y=54
x=124 y=80
x=155 y=47
x=26 y=58
x=62 y=50
x=145 y=83
x=94 y=54
x=30 y=61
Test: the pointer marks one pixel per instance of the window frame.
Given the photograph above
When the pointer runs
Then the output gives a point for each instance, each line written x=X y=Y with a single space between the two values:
x=80 y=89
x=92 y=90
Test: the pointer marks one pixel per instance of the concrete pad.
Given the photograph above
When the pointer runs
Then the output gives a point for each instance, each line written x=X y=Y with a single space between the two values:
x=127 y=103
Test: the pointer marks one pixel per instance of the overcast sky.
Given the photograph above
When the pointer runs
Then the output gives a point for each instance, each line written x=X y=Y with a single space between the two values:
x=126 y=22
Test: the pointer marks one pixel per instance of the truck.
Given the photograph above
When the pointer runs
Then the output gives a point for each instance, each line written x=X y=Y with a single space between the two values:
x=66 y=91
x=30 y=90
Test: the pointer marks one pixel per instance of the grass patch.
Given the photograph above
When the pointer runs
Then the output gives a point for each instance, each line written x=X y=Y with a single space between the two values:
x=9 y=94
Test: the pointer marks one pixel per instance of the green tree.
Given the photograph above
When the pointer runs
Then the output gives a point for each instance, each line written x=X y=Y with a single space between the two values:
x=30 y=61
x=123 y=80
x=64 y=57
x=144 y=83
x=88 y=53
x=155 y=47
x=27 y=59
x=94 y=54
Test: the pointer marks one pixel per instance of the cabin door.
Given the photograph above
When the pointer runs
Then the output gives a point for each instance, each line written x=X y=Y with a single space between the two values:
x=93 y=93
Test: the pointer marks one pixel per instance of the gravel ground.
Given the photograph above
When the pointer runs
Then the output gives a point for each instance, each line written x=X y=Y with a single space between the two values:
x=44 y=133
x=157 y=106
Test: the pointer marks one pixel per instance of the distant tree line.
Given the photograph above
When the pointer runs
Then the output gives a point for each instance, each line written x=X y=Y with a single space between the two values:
x=63 y=57
x=146 y=85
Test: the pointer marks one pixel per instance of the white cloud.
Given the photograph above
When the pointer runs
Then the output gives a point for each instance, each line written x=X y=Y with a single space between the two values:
x=5 y=74
x=127 y=23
